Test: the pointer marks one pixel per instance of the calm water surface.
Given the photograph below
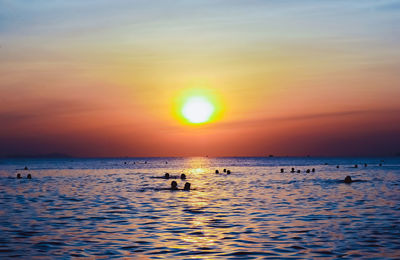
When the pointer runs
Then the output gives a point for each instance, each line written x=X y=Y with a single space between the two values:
x=104 y=208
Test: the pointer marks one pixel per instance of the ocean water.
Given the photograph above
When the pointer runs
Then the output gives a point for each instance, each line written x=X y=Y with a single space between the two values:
x=113 y=208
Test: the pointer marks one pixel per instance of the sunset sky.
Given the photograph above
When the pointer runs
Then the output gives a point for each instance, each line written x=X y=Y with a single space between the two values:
x=289 y=78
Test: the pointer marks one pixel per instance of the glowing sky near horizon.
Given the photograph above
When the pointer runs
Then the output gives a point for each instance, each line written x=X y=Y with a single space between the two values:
x=101 y=78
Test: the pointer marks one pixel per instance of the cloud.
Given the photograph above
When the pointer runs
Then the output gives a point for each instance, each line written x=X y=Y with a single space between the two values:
x=45 y=109
x=260 y=122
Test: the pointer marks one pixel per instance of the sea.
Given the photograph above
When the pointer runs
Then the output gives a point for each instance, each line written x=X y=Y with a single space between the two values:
x=101 y=208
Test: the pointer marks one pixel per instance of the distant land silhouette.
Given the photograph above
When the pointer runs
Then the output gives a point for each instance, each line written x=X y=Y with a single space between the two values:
x=48 y=155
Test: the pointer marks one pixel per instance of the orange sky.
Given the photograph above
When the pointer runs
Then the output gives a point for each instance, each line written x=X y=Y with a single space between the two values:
x=294 y=78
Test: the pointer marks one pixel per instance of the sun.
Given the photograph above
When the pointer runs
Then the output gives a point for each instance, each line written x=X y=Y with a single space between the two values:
x=197 y=110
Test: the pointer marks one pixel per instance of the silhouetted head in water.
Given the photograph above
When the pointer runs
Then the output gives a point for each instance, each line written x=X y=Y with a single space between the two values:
x=29 y=176
x=313 y=169
x=19 y=176
x=282 y=170
x=216 y=171
x=224 y=170
x=166 y=175
x=308 y=171
x=380 y=164
x=347 y=179
x=26 y=168
x=365 y=165
x=292 y=170
x=355 y=166
x=183 y=176
x=228 y=172
x=187 y=186
x=298 y=171
x=337 y=166
x=174 y=185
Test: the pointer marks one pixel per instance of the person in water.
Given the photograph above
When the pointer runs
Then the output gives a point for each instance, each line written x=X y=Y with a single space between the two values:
x=348 y=179
x=29 y=176
x=19 y=176
x=228 y=172
x=282 y=170
x=166 y=175
x=183 y=176
x=187 y=186
x=216 y=171
x=174 y=185
x=292 y=170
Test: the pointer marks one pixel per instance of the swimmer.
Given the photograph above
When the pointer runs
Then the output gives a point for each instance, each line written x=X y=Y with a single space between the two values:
x=174 y=185
x=292 y=170
x=337 y=166
x=282 y=170
x=216 y=171
x=187 y=186
x=355 y=166
x=308 y=171
x=224 y=170
x=298 y=171
x=313 y=169
x=26 y=168
x=19 y=176
x=29 y=176
x=183 y=176
x=166 y=176
x=347 y=179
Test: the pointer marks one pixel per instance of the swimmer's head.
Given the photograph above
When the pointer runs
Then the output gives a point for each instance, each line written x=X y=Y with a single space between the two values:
x=183 y=176
x=347 y=179
x=187 y=186
x=166 y=175
x=174 y=185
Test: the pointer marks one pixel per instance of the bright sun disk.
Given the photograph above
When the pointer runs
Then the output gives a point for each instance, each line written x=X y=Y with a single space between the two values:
x=197 y=110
